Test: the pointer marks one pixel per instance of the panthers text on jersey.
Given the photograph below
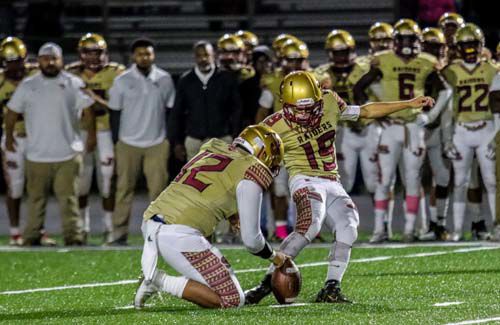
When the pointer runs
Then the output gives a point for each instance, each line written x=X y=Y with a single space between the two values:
x=7 y=88
x=99 y=83
x=204 y=192
x=403 y=79
x=470 y=89
x=310 y=152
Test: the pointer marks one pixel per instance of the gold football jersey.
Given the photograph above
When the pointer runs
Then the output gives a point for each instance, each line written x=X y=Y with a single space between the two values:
x=100 y=84
x=7 y=88
x=470 y=89
x=204 y=192
x=310 y=152
x=343 y=84
x=404 y=79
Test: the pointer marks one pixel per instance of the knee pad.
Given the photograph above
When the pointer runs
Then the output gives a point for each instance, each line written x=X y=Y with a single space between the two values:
x=106 y=174
x=347 y=235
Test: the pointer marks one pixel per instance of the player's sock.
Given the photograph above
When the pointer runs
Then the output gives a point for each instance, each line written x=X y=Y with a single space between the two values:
x=380 y=212
x=492 y=204
x=442 y=203
x=412 y=204
x=173 y=285
x=108 y=221
x=14 y=231
x=339 y=258
x=281 y=229
x=458 y=216
x=433 y=213
x=475 y=211
x=390 y=215
x=85 y=215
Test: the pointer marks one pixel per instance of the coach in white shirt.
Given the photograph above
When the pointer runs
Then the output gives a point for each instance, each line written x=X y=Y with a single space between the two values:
x=52 y=103
x=142 y=95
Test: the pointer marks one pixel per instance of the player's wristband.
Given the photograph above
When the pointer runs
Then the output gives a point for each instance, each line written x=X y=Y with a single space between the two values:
x=267 y=252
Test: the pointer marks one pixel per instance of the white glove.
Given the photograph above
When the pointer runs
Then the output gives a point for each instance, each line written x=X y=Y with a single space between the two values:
x=422 y=120
x=491 y=152
x=451 y=152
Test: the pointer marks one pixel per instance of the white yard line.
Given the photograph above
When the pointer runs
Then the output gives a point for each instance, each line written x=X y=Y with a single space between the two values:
x=290 y=305
x=10 y=249
x=358 y=260
x=446 y=304
x=476 y=321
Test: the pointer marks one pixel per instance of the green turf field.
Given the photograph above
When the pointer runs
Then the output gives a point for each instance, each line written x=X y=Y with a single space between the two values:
x=390 y=285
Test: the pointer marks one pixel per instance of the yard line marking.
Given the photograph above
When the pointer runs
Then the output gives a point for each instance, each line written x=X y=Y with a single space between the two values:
x=359 y=260
x=76 y=286
x=446 y=304
x=476 y=321
x=291 y=305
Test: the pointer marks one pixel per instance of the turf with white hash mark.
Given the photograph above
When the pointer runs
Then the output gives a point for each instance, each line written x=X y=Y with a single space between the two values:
x=390 y=285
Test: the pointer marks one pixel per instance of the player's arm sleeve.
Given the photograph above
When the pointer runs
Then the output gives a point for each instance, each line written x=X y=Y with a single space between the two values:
x=350 y=113
x=442 y=101
x=17 y=102
x=447 y=123
x=249 y=199
x=359 y=90
x=266 y=99
x=434 y=82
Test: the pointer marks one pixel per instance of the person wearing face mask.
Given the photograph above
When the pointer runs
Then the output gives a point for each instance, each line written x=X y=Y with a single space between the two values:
x=231 y=54
x=403 y=73
x=52 y=102
x=207 y=105
x=139 y=100
x=98 y=74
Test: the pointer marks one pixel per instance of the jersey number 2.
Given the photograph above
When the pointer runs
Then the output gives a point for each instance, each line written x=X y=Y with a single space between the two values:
x=326 y=149
x=191 y=179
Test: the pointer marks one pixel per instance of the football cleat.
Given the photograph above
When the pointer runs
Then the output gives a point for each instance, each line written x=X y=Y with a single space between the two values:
x=408 y=238
x=379 y=237
x=456 y=237
x=479 y=231
x=256 y=294
x=16 y=240
x=331 y=293
x=47 y=241
x=496 y=233
x=145 y=290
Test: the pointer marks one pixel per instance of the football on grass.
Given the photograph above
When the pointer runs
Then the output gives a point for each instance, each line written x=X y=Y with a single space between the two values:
x=286 y=282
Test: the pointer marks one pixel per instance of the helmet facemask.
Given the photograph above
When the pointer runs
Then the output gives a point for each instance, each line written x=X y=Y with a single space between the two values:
x=231 y=59
x=434 y=48
x=381 y=44
x=15 y=69
x=93 y=59
x=407 y=45
x=470 y=51
x=306 y=113
x=342 y=58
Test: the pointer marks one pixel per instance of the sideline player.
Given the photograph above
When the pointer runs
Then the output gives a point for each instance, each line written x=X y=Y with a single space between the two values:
x=475 y=125
x=307 y=125
x=98 y=74
x=403 y=74
x=221 y=180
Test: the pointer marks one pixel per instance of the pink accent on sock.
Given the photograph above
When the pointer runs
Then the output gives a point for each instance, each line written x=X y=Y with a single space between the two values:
x=381 y=204
x=412 y=203
x=281 y=232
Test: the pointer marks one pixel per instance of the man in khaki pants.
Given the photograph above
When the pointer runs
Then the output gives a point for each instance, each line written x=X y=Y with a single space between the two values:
x=52 y=103
x=138 y=100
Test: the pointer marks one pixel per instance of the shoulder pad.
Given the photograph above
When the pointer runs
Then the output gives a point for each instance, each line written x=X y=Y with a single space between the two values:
x=115 y=66
x=323 y=68
x=428 y=57
x=273 y=118
x=74 y=66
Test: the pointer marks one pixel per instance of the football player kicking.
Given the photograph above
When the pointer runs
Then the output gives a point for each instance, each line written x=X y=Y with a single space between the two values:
x=219 y=182
x=307 y=125
x=475 y=122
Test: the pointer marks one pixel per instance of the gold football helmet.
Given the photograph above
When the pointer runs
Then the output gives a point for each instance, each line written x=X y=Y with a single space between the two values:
x=341 y=48
x=380 y=35
x=451 y=18
x=470 y=41
x=12 y=48
x=249 y=39
x=407 y=37
x=302 y=99
x=92 y=41
x=434 y=42
x=230 y=43
x=294 y=49
x=264 y=143
x=280 y=40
